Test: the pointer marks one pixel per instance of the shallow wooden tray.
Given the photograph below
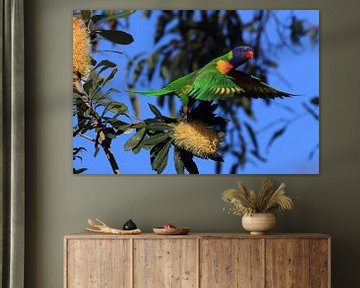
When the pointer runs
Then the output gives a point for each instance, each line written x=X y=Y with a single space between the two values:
x=171 y=231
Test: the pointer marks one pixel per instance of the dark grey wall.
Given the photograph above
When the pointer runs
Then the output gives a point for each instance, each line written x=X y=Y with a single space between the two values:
x=59 y=203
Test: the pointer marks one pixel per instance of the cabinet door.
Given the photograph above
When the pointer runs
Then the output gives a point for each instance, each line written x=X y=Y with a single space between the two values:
x=320 y=263
x=231 y=263
x=98 y=263
x=167 y=263
x=287 y=263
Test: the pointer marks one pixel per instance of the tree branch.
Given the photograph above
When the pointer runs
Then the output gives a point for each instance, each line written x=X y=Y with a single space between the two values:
x=104 y=142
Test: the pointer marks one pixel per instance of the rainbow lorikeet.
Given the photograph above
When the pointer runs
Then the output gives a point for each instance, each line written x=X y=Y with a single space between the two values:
x=219 y=80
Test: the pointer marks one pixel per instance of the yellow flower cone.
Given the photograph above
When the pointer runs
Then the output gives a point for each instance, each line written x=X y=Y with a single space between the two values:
x=196 y=138
x=81 y=48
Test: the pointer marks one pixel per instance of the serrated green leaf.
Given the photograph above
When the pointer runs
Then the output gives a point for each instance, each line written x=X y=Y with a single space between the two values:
x=156 y=139
x=110 y=135
x=105 y=63
x=216 y=157
x=111 y=76
x=78 y=150
x=147 y=147
x=96 y=18
x=77 y=157
x=152 y=120
x=158 y=126
x=88 y=87
x=116 y=36
x=97 y=149
x=116 y=123
x=171 y=119
x=116 y=107
x=139 y=125
x=135 y=139
x=112 y=90
x=138 y=148
x=79 y=171
x=179 y=164
x=121 y=129
x=86 y=15
x=93 y=61
x=102 y=82
x=160 y=160
x=86 y=126
x=154 y=152
x=189 y=163
x=156 y=111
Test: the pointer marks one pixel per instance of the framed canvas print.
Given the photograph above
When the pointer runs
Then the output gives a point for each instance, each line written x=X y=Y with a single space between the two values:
x=196 y=91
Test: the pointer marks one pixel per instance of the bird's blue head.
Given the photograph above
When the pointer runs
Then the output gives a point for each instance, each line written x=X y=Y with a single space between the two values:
x=240 y=55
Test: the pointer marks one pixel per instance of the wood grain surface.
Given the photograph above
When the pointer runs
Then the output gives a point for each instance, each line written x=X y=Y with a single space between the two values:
x=228 y=263
x=165 y=263
x=197 y=261
x=89 y=235
x=98 y=263
x=320 y=263
x=287 y=263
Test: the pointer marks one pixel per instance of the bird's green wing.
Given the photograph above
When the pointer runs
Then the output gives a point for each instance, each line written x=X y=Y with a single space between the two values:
x=254 y=87
x=209 y=84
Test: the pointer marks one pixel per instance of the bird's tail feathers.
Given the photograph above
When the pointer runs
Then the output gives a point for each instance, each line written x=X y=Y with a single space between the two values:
x=159 y=92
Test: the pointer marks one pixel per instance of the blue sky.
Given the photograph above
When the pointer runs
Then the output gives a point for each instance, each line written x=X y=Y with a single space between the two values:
x=288 y=155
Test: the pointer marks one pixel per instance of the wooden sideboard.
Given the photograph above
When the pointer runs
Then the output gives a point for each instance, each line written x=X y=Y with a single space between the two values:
x=197 y=260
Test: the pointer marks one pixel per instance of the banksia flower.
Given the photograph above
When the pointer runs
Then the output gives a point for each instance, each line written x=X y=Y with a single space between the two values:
x=196 y=138
x=81 y=48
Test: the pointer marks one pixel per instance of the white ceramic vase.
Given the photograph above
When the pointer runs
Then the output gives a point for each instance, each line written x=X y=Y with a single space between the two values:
x=259 y=223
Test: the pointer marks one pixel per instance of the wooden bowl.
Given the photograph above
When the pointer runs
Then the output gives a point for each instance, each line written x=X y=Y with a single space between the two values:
x=171 y=231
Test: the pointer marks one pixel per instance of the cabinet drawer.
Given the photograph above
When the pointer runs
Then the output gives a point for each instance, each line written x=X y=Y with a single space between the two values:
x=297 y=263
x=231 y=263
x=165 y=263
x=98 y=263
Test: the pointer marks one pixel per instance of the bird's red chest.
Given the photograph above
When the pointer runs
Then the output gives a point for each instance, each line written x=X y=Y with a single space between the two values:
x=223 y=66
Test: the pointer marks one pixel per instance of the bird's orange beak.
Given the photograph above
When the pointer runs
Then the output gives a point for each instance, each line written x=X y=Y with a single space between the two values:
x=249 y=55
